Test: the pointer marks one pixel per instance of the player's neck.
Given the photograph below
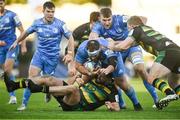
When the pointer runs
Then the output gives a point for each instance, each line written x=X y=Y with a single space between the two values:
x=48 y=22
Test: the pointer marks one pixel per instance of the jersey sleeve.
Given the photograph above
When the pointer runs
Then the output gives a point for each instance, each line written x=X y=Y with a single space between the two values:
x=65 y=31
x=135 y=33
x=111 y=57
x=17 y=20
x=81 y=56
x=97 y=28
x=32 y=28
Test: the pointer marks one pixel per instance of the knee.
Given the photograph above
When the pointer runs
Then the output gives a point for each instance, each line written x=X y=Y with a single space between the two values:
x=140 y=69
x=122 y=83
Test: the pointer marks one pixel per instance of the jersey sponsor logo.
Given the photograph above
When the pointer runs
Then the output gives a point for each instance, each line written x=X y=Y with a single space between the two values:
x=40 y=30
x=108 y=52
x=55 y=30
x=13 y=55
x=105 y=34
x=120 y=71
x=6 y=20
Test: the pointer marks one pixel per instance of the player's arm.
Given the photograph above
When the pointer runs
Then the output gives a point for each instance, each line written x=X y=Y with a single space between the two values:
x=93 y=36
x=20 y=38
x=124 y=45
x=23 y=43
x=70 y=51
x=82 y=69
x=95 y=32
x=111 y=67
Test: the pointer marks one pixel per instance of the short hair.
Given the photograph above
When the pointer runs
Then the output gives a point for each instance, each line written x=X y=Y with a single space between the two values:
x=93 y=45
x=94 y=16
x=49 y=5
x=135 y=20
x=106 y=12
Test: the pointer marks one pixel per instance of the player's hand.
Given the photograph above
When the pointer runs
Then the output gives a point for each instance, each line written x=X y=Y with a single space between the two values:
x=80 y=81
x=94 y=73
x=113 y=106
x=67 y=58
x=2 y=43
x=107 y=70
x=13 y=45
x=111 y=45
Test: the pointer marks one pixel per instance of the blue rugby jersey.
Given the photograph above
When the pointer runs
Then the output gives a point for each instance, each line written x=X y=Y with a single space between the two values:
x=118 y=30
x=8 y=23
x=49 y=36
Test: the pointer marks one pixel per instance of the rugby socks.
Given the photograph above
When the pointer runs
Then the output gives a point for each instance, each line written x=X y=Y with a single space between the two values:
x=151 y=90
x=132 y=95
x=121 y=101
x=12 y=77
x=177 y=90
x=26 y=96
x=162 y=86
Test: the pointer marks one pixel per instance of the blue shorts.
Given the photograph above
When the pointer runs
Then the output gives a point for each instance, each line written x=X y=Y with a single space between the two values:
x=120 y=69
x=5 y=54
x=46 y=65
x=134 y=54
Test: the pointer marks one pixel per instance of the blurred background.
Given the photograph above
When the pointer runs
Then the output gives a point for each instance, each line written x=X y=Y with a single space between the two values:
x=163 y=15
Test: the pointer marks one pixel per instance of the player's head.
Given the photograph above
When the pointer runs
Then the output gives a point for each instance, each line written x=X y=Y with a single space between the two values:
x=48 y=10
x=94 y=17
x=93 y=50
x=2 y=5
x=106 y=17
x=134 y=21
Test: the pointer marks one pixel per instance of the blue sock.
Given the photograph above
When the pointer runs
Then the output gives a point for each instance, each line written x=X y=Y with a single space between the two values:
x=26 y=96
x=132 y=96
x=121 y=101
x=151 y=90
x=12 y=77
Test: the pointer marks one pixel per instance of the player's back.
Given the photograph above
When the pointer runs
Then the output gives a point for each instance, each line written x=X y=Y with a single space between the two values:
x=151 y=40
x=94 y=94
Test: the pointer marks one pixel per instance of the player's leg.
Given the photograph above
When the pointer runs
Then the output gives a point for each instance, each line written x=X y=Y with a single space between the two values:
x=157 y=71
x=35 y=68
x=174 y=82
x=11 y=57
x=121 y=81
x=136 y=57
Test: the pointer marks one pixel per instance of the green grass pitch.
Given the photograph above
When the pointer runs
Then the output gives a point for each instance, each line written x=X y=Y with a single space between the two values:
x=38 y=109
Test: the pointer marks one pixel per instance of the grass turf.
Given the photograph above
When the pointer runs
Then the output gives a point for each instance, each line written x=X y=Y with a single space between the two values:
x=38 y=109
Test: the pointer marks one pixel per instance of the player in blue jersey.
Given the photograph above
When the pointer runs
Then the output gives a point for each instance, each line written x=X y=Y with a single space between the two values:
x=166 y=51
x=115 y=27
x=111 y=63
x=49 y=32
x=9 y=21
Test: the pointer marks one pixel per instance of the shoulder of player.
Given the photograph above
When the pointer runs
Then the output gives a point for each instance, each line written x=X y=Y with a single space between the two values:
x=58 y=20
x=122 y=18
x=10 y=13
